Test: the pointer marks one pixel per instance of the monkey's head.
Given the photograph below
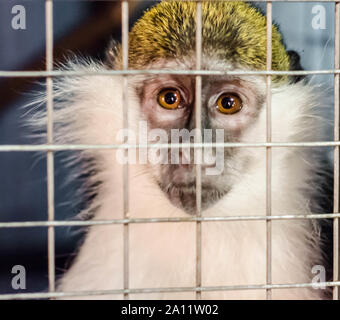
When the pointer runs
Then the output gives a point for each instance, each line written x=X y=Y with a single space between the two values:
x=233 y=38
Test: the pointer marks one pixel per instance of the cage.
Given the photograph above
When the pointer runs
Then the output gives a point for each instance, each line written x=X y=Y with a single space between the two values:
x=36 y=218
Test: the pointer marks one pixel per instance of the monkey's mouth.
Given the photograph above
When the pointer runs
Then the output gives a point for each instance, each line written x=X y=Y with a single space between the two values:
x=179 y=185
x=184 y=196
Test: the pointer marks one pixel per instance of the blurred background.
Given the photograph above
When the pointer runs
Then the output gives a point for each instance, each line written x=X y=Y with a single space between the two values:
x=84 y=28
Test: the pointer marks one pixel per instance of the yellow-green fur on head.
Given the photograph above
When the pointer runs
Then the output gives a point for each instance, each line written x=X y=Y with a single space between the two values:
x=231 y=31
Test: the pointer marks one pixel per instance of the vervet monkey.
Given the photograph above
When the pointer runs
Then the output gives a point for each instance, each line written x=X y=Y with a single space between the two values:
x=89 y=110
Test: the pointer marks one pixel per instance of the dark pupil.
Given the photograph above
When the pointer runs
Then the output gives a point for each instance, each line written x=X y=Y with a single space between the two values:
x=227 y=102
x=170 y=98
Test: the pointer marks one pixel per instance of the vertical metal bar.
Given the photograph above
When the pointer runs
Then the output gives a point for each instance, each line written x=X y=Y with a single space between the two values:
x=50 y=155
x=125 y=47
x=198 y=151
x=336 y=153
x=269 y=153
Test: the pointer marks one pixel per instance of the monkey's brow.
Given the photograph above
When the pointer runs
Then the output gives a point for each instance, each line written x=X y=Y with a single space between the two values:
x=245 y=82
x=137 y=79
x=140 y=82
x=156 y=77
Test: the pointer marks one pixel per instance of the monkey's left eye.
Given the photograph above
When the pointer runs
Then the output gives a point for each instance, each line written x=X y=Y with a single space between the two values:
x=169 y=98
x=229 y=103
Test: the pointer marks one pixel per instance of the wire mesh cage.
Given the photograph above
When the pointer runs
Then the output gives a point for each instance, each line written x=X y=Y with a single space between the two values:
x=50 y=148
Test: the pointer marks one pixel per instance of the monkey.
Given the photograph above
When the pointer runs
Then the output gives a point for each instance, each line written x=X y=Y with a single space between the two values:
x=89 y=110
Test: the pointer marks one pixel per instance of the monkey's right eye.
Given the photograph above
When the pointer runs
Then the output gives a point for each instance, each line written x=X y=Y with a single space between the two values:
x=169 y=98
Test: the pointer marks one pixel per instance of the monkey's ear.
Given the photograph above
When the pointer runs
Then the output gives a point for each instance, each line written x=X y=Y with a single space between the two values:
x=294 y=64
x=112 y=53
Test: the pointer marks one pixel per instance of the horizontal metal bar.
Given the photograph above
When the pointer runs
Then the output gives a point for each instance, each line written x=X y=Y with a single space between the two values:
x=214 y=0
x=31 y=224
x=252 y=1
x=78 y=147
x=164 y=290
x=62 y=73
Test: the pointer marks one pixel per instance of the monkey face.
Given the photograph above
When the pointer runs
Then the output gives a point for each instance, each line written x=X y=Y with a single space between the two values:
x=233 y=38
x=230 y=108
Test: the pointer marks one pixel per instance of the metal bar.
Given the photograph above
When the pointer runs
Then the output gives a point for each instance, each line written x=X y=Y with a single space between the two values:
x=198 y=151
x=336 y=152
x=125 y=47
x=269 y=154
x=51 y=148
x=331 y=1
x=31 y=224
x=50 y=155
x=73 y=147
x=61 y=73
x=255 y=1
x=165 y=290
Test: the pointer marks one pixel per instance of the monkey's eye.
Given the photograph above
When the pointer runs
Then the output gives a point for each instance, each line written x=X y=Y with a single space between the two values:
x=169 y=98
x=229 y=103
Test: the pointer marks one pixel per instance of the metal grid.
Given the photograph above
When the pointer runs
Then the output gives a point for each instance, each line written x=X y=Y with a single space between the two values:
x=50 y=148
x=269 y=153
x=198 y=111
x=125 y=45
